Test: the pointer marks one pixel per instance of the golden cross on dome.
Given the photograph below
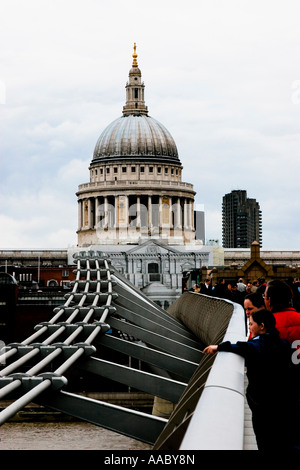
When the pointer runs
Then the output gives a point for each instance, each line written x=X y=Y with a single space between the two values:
x=134 y=55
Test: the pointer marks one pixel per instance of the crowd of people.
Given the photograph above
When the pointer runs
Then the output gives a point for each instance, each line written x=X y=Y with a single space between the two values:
x=273 y=321
x=237 y=291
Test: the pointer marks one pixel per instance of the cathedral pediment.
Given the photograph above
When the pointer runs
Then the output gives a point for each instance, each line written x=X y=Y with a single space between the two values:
x=151 y=247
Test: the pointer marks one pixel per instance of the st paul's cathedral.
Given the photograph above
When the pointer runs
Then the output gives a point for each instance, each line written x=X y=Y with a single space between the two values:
x=136 y=209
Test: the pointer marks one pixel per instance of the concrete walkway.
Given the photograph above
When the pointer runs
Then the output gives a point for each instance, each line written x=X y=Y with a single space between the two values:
x=249 y=436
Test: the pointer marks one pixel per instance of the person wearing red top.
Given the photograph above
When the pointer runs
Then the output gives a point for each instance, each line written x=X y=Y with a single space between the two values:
x=278 y=299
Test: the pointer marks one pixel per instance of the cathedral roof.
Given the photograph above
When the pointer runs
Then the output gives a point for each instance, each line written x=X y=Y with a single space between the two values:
x=137 y=138
x=136 y=135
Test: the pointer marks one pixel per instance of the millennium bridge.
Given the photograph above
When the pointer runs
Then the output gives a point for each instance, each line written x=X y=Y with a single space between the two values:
x=103 y=310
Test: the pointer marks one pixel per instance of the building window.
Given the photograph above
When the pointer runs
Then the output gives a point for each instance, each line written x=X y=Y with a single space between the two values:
x=107 y=170
x=150 y=169
x=153 y=271
x=133 y=169
x=142 y=169
x=166 y=171
x=66 y=284
x=159 y=170
x=124 y=169
x=115 y=169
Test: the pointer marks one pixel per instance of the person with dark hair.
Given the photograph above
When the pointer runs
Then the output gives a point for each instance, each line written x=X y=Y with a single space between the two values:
x=255 y=285
x=296 y=291
x=220 y=289
x=252 y=302
x=271 y=393
x=278 y=299
x=233 y=294
x=206 y=287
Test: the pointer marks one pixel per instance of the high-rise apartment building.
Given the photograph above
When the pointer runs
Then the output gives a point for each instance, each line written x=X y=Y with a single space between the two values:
x=241 y=220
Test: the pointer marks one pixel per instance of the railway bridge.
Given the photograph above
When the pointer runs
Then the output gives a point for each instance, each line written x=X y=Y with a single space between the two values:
x=103 y=310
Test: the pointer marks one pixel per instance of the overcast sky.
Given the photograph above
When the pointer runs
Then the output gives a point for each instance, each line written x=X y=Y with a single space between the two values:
x=223 y=76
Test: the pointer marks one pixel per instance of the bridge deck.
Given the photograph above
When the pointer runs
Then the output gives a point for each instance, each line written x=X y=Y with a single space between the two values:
x=249 y=436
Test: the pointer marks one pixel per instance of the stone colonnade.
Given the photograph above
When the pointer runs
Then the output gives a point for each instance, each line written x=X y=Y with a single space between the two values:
x=123 y=211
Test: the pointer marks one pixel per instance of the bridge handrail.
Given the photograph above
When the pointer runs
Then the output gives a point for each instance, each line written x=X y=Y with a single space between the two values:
x=218 y=419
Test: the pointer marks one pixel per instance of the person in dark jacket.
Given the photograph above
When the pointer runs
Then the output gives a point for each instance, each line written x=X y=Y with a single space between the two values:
x=271 y=392
x=206 y=287
x=220 y=289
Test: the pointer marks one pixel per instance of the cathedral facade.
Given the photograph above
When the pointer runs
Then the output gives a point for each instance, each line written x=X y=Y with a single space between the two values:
x=136 y=208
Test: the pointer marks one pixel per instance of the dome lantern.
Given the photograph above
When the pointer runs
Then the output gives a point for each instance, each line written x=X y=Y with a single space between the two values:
x=135 y=104
x=135 y=135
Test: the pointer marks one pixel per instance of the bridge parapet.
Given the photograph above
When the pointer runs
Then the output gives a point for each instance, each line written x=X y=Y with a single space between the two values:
x=191 y=425
x=218 y=418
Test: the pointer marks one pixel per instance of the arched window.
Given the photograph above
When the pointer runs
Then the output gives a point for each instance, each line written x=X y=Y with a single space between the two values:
x=153 y=271
x=153 y=268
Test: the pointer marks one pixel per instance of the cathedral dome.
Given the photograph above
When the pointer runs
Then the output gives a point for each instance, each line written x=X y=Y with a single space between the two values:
x=135 y=135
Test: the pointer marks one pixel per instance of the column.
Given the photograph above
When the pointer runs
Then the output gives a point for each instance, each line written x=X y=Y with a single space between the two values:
x=188 y=214
x=138 y=212
x=79 y=214
x=160 y=213
x=85 y=213
x=117 y=212
x=178 y=214
x=105 y=225
x=149 y=212
x=90 y=213
x=121 y=203
x=185 y=219
x=192 y=215
x=96 y=215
